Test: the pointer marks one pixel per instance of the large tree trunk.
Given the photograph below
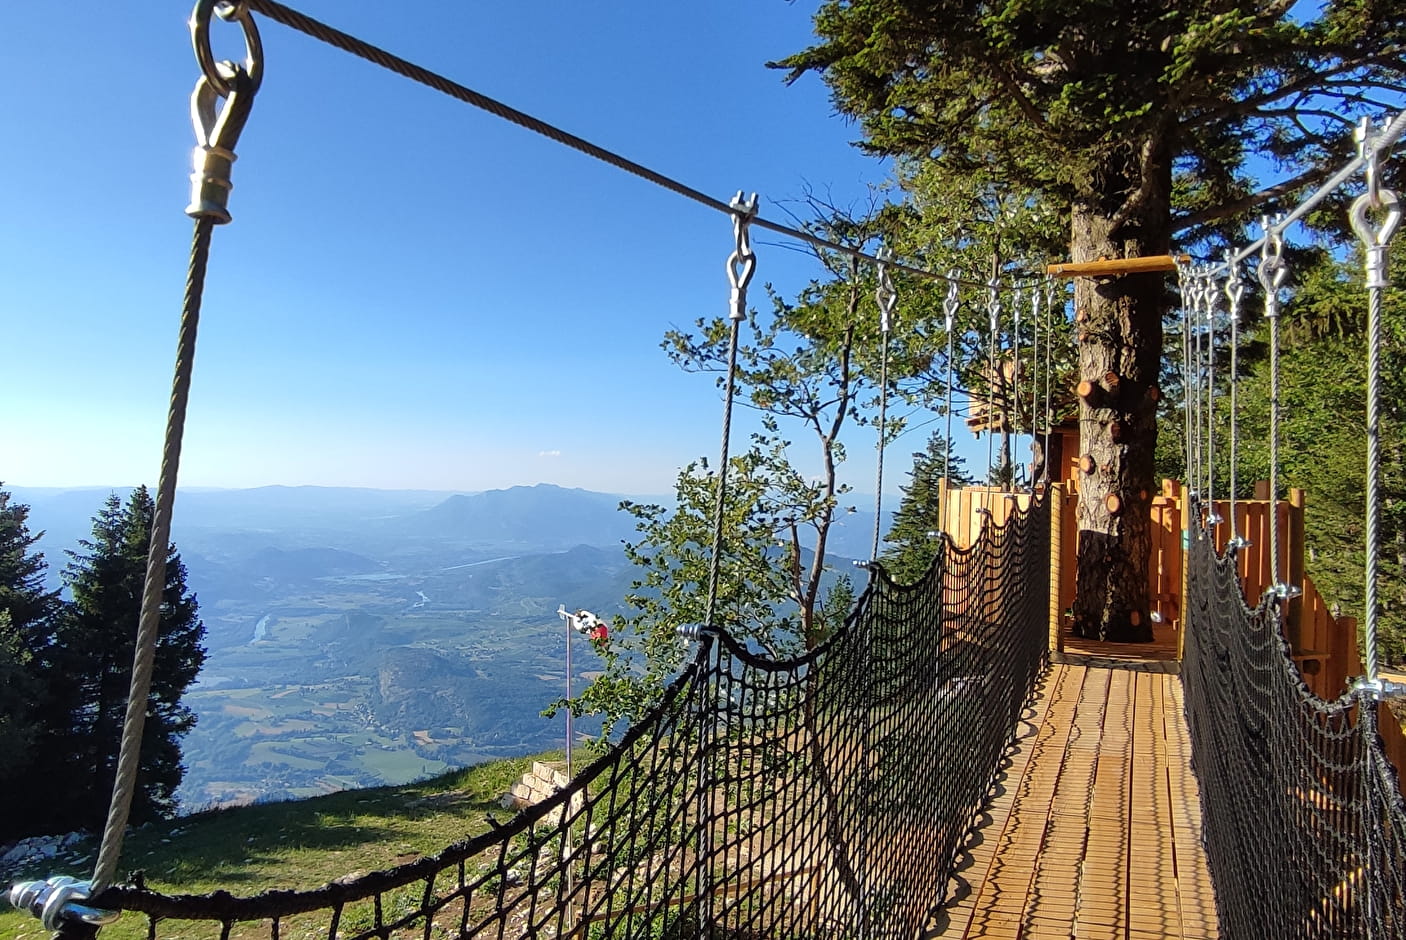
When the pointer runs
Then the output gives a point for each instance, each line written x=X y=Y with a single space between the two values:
x=1119 y=326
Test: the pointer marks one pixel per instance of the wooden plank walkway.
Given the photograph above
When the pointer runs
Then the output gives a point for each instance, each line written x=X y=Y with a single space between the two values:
x=1095 y=831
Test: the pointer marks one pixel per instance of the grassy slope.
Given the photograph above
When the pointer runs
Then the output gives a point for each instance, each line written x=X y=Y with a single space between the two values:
x=299 y=844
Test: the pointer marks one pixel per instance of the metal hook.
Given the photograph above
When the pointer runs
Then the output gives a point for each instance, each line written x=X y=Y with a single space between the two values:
x=742 y=263
x=885 y=294
x=221 y=74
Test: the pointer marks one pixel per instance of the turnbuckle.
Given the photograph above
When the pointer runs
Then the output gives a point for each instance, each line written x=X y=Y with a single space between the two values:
x=217 y=129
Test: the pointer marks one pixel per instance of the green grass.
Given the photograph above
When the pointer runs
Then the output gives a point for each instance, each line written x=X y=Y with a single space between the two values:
x=299 y=844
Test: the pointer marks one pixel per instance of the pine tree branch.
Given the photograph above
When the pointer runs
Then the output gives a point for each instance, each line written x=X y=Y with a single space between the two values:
x=1201 y=217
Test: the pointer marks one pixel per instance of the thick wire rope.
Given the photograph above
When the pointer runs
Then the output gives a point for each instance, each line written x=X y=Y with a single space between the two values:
x=887 y=298
x=1208 y=297
x=1272 y=272
x=1234 y=292
x=1011 y=400
x=1035 y=472
x=1050 y=294
x=1197 y=377
x=1188 y=455
x=993 y=313
x=318 y=30
x=741 y=265
x=149 y=622
x=1375 y=242
x=950 y=306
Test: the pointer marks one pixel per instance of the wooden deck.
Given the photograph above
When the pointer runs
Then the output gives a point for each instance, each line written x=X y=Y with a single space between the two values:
x=1096 y=828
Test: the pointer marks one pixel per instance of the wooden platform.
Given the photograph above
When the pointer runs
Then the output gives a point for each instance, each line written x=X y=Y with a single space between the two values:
x=1096 y=829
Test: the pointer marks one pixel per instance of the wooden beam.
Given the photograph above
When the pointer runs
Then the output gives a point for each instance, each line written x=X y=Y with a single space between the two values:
x=1112 y=267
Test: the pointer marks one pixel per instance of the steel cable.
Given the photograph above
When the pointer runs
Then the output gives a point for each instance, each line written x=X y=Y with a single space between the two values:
x=318 y=30
x=149 y=623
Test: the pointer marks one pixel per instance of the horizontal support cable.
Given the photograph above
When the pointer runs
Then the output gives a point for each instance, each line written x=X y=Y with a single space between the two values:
x=377 y=56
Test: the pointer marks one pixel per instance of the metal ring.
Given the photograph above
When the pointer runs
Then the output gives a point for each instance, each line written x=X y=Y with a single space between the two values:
x=221 y=74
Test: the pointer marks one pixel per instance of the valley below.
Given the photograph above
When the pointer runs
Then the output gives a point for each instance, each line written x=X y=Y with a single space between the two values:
x=360 y=638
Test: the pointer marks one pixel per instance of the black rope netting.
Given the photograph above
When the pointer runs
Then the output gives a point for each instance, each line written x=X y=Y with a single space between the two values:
x=1305 y=829
x=825 y=796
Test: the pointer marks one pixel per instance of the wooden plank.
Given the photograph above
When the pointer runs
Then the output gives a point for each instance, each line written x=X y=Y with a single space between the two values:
x=1113 y=267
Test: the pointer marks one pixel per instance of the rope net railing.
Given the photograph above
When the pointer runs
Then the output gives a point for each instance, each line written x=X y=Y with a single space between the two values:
x=829 y=795
x=1305 y=828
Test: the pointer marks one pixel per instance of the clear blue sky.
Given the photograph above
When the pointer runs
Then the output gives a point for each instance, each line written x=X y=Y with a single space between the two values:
x=412 y=293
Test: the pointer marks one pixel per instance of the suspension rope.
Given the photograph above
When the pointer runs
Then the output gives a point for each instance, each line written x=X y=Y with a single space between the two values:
x=1184 y=285
x=950 y=305
x=993 y=314
x=1050 y=295
x=741 y=265
x=217 y=135
x=1234 y=292
x=1208 y=300
x=1035 y=473
x=1010 y=410
x=318 y=30
x=1375 y=241
x=1272 y=273
x=887 y=298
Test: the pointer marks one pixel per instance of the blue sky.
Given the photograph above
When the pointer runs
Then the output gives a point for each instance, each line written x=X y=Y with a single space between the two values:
x=412 y=293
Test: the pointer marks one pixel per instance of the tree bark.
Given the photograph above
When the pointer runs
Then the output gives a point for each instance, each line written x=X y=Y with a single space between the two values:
x=1119 y=327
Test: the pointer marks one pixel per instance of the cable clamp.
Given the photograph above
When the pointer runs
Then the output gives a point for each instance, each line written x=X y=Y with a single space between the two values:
x=693 y=632
x=742 y=263
x=1284 y=592
x=217 y=129
x=56 y=901
x=1213 y=519
x=1379 y=689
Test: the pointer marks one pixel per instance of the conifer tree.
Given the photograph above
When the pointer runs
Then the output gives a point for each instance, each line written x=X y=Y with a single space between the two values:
x=95 y=643
x=919 y=514
x=1137 y=121
x=27 y=614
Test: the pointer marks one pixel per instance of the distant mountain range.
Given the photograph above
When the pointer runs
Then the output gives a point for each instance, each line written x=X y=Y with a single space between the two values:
x=361 y=636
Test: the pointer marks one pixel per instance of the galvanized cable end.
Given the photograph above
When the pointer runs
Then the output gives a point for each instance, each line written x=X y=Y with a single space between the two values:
x=58 y=900
x=1377 y=689
x=217 y=129
x=693 y=632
